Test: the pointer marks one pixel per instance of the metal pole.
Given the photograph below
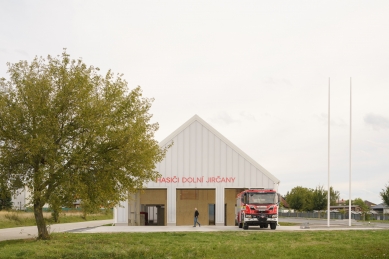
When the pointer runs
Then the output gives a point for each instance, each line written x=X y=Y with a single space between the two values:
x=328 y=193
x=349 y=201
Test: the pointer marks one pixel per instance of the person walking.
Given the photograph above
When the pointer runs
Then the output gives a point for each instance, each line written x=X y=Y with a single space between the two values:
x=196 y=215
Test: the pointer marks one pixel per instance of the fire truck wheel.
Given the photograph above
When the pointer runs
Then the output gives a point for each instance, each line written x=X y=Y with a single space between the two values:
x=245 y=226
x=273 y=226
x=240 y=225
x=266 y=225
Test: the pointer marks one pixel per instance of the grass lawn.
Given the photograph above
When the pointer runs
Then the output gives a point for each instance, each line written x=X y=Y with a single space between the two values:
x=288 y=224
x=241 y=244
x=10 y=219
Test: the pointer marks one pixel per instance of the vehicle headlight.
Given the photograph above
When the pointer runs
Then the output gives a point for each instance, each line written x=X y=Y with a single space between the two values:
x=248 y=216
x=274 y=216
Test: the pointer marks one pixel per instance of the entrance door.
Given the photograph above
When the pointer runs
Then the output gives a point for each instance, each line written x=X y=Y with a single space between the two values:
x=211 y=214
x=156 y=215
x=225 y=214
x=160 y=215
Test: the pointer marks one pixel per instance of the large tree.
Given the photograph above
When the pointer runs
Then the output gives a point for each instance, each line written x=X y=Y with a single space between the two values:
x=67 y=133
x=299 y=198
x=364 y=208
x=361 y=204
x=385 y=195
x=319 y=199
x=334 y=196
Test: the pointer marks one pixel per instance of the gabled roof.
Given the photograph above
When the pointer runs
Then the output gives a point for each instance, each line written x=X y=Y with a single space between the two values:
x=195 y=118
x=369 y=204
x=380 y=207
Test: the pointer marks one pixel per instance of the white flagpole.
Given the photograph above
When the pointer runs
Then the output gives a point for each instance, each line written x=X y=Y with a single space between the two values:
x=349 y=200
x=328 y=192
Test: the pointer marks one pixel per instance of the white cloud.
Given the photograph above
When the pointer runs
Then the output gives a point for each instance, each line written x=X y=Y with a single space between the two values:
x=377 y=121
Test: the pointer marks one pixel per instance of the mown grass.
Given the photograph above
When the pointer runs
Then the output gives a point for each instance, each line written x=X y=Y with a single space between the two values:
x=10 y=219
x=376 y=221
x=241 y=244
x=289 y=224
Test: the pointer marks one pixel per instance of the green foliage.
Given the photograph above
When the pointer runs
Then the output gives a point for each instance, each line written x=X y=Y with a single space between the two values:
x=55 y=207
x=70 y=133
x=334 y=197
x=304 y=199
x=385 y=195
x=5 y=199
x=88 y=207
x=319 y=199
x=299 y=198
x=361 y=204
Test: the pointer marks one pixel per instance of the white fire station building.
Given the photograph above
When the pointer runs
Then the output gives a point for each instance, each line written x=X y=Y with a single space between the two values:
x=202 y=170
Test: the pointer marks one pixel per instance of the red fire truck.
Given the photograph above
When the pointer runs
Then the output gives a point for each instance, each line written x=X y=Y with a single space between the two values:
x=257 y=207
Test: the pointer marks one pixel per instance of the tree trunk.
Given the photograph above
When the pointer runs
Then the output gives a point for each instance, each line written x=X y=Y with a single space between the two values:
x=40 y=222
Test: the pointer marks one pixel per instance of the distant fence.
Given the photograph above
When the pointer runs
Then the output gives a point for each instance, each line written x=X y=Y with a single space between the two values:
x=334 y=215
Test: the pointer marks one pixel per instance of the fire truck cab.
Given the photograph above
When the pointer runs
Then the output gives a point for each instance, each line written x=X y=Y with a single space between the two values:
x=257 y=207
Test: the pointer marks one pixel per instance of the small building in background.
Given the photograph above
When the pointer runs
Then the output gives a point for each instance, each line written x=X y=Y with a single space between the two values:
x=381 y=208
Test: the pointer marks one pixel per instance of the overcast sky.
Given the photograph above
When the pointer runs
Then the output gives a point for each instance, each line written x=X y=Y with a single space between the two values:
x=257 y=71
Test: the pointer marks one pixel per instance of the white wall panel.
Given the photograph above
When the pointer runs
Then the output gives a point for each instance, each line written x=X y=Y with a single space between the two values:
x=229 y=162
x=270 y=183
x=246 y=176
x=122 y=213
x=219 y=206
x=211 y=160
x=186 y=152
x=260 y=181
x=217 y=157
x=199 y=149
x=171 y=206
x=192 y=149
x=180 y=153
x=223 y=159
x=174 y=158
x=205 y=153
x=253 y=176
x=168 y=163
x=240 y=177
x=202 y=155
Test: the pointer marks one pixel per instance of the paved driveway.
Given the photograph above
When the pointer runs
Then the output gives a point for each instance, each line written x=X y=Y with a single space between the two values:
x=32 y=232
x=321 y=223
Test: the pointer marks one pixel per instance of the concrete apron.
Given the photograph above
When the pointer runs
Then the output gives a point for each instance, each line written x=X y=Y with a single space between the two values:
x=32 y=231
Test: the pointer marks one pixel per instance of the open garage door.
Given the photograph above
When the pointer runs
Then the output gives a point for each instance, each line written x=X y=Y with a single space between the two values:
x=153 y=204
x=229 y=206
x=189 y=199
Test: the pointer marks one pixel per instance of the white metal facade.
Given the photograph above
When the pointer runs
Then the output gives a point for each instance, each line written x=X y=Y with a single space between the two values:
x=203 y=158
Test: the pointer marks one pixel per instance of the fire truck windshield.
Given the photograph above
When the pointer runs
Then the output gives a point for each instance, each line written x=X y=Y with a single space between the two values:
x=262 y=198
